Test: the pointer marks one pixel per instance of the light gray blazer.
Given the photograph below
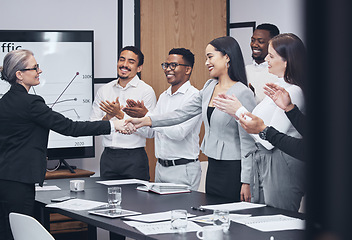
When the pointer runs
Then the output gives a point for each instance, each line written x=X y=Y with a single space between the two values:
x=224 y=139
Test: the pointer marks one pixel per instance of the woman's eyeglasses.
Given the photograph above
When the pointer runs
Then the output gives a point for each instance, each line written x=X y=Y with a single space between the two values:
x=36 y=68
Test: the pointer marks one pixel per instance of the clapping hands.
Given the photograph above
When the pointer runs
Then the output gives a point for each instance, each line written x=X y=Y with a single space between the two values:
x=112 y=109
x=279 y=95
x=228 y=104
x=135 y=109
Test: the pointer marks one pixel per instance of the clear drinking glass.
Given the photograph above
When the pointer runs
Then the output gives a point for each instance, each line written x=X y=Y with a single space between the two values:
x=114 y=197
x=179 y=220
x=222 y=218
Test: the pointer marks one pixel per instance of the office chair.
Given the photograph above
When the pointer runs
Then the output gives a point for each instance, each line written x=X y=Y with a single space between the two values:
x=24 y=227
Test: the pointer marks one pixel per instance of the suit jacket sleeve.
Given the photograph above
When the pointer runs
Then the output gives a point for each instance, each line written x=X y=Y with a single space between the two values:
x=246 y=141
x=297 y=119
x=294 y=147
x=44 y=116
x=189 y=110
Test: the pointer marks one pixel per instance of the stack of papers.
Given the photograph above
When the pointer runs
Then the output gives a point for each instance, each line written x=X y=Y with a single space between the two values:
x=47 y=188
x=233 y=206
x=121 y=182
x=112 y=213
x=154 y=217
x=160 y=227
x=273 y=223
x=78 y=204
x=157 y=223
x=164 y=188
x=209 y=218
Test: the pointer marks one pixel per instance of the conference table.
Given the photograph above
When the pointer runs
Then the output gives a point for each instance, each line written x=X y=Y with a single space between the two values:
x=148 y=202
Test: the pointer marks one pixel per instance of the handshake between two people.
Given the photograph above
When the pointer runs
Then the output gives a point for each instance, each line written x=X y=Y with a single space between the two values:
x=134 y=109
x=131 y=125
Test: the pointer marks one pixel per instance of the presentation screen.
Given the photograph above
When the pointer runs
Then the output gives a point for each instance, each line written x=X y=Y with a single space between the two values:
x=66 y=83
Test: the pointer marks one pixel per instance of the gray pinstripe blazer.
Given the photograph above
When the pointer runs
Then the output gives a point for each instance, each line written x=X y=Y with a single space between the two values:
x=224 y=138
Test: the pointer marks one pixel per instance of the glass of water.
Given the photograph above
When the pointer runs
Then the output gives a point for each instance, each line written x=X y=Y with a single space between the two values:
x=222 y=218
x=114 y=197
x=179 y=220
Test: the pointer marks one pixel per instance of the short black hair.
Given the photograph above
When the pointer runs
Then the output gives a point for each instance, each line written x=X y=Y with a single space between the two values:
x=136 y=51
x=187 y=55
x=273 y=30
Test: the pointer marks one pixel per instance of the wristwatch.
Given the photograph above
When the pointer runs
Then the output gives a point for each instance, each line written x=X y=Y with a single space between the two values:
x=262 y=134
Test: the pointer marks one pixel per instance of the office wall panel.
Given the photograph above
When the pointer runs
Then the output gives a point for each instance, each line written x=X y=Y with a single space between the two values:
x=166 y=24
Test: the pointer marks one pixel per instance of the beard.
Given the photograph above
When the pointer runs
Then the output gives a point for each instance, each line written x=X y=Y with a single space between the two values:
x=258 y=58
x=122 y=77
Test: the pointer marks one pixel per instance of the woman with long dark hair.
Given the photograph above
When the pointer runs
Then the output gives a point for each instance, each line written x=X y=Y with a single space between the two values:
x=225 y=142
x=277 y=178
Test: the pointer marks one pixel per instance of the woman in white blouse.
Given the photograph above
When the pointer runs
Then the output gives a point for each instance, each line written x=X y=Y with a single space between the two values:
x=277 y=178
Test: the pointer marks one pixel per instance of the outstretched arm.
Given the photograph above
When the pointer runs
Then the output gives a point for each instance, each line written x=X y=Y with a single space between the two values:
x=124 y=128
x=290 y=145
x=139 y=122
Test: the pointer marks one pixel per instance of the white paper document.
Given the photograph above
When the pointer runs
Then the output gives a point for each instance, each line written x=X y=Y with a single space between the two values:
x=112 y=213
x=233 y=206
x=121 y=182
x=46 y=188
x=160 y=227
x=273 y=223
x=154 y=217
x=209 y=218
x=78 y=204
x=164 y=188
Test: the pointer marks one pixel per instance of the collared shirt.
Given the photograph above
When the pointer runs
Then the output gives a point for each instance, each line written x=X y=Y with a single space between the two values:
x=136 y=89
x=178 y=141
x=258 y=75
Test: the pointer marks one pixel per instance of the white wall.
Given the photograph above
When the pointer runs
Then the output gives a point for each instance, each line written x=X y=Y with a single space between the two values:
x=69 y=15
x=287 y=15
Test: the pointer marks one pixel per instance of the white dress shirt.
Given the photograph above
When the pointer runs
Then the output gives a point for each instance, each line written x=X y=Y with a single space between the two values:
x=178 y=141
x=258 y=75
x=274 y=116
x=136 y=89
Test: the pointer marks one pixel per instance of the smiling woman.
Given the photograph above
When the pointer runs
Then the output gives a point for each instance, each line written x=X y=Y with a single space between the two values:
x=225 y=143
x=278 y=178
x=29 y=76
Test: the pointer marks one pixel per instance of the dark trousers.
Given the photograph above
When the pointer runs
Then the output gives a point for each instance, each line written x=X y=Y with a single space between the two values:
x=124 y=164
x=14 y=197
x=224 y=179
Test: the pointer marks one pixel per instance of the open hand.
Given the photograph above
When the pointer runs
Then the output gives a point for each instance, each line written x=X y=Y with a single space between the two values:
x=135 y=109
x=228 y=104
x=112 y=109
x=255 y=125
x=279 y=95
x=139 y=122
x=123 y=127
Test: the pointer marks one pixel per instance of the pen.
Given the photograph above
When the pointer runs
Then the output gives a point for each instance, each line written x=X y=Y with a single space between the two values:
x=199 y=209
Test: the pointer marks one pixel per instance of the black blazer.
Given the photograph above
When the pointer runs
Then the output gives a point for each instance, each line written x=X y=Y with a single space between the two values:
x=25 y=121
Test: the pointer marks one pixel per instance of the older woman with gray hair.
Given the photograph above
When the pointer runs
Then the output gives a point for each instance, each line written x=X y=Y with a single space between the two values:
x=25 y=121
